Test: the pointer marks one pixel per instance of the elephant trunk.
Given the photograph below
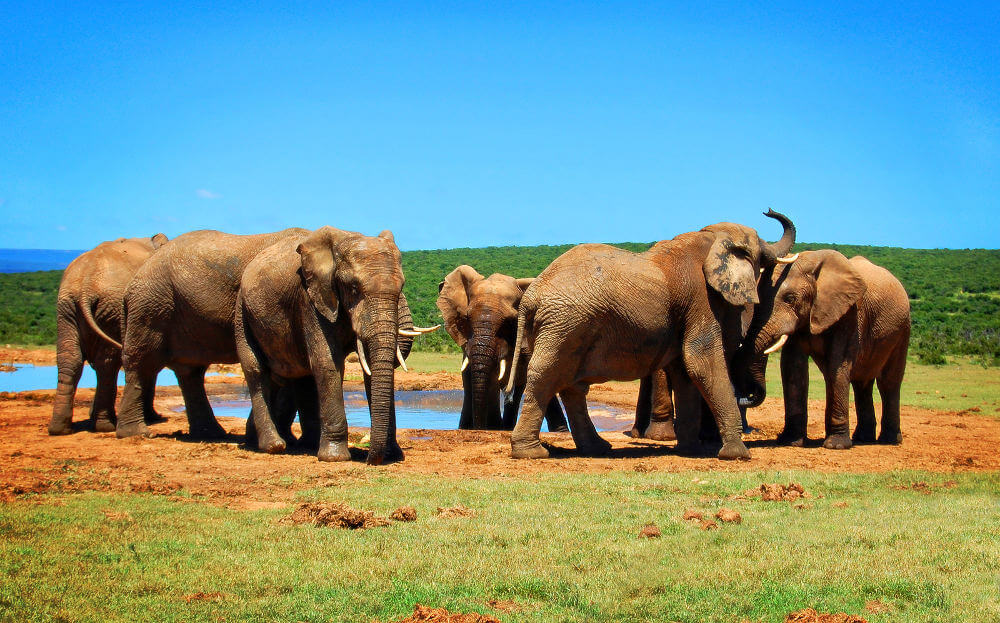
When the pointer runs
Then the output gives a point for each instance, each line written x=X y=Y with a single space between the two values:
x=380 y=342
x=782 y=246
x=483 y=362
x=753 y=388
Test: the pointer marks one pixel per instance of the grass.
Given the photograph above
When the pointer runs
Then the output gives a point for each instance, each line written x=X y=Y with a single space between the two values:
x=562 y=547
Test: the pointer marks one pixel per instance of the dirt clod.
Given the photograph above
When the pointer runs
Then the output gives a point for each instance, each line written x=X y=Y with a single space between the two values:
x=780 y=493
x=693 y=515
x=811 y=616
x=708 y=524
x=649 y=531
x=504 y=605
x=727 y=515
x=455 y=511
x=423 y=614
x=404 y=513
x=334 y=514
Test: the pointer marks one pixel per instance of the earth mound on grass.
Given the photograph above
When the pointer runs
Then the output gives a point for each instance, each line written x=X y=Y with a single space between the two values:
x=780 y=493
x=404 y=513
x=455 y=511
x=811 y=616
x=423 y=614
x=335 y=514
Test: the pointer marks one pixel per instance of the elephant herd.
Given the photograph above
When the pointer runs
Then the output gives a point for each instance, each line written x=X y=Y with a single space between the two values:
x=694 y=318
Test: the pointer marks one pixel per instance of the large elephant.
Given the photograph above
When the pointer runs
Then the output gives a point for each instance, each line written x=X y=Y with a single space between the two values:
x=480 y=314
x=88 y=327
x=600 y=313
x=306 y=303
x=853 y=318
x=178 y=313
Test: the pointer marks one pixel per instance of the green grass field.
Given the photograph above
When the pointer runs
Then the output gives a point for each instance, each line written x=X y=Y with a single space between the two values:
x=564 y=548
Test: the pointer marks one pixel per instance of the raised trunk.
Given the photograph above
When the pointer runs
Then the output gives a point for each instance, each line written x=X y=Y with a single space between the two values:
x=782 y=246
x=379 y=340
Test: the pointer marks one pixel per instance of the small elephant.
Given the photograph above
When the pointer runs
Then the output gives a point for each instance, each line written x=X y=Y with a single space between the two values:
x=600 y=313
x=853 y=318
x=88 y=328
x=480 y=314
x=306 y=303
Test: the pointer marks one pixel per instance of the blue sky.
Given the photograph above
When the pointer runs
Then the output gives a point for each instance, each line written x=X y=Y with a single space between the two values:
x=518 y=123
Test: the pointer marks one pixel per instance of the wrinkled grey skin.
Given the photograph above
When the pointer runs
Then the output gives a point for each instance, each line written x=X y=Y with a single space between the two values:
x=480 y=314
x=853 y=318
x=599 y=313
x=88 y=328
x=178 y=313
x=304 y=304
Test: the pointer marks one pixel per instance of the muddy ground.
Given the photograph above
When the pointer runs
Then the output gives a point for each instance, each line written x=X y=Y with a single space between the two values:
x=227 y=473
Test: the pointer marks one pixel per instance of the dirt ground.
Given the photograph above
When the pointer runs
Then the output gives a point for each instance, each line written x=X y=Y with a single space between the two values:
x=227 y=473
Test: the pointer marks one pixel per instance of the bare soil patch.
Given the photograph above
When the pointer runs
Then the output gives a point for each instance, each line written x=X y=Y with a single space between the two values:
x=227 y=473
x=455 y=511
x=423 y=614
x=650 y=531
x=404 y=513
x=778 y=493
x=728 y=515
x=336 y=515
x=811 y=616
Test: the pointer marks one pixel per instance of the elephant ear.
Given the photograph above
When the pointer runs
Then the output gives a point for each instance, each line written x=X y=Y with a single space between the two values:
x=730 y=272
x=524 y=283
x=158 y=241
x=838 y=287
x=319 y=261
x=454 y=301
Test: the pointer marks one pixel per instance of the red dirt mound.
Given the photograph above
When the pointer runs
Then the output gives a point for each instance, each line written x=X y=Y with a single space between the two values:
x=811 y=616
x=423 y=614
x=727 y=515
x=404 y=513
x=649 y=531
x=779 y=493
x=455 y=511
x=334 y=514
x=692 y=515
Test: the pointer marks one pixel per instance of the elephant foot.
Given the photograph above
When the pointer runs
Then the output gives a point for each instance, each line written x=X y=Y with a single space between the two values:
x=208 y=431
x=837 y=442
x=134 y=429
x=536 y=451
x=308 y=442
x=689 y=449
x=866 y=435
x=60 y=428
x=595 y=447
x=734 y=450
x=104 y=425
x=793 y=439
x=661 y=431
x=333 y=451
x=154 y=418
x=272 y=445
x=891 y=438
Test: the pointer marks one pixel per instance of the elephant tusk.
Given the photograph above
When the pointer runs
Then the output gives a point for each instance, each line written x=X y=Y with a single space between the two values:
x=788 y=259
x=777 y=345
x=361 y=358
x=503 y=368
x=399 y=356
x=408 y=333
x=465 y=363
x=427 y=329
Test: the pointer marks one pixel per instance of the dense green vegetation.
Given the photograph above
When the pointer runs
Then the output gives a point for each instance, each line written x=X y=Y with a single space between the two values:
x=955 y=294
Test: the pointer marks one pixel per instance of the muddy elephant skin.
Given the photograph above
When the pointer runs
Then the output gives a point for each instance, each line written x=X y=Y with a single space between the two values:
x=853 y=318
x=88 y=327
x=480 y=314
x=178 y=313
x=599 y=313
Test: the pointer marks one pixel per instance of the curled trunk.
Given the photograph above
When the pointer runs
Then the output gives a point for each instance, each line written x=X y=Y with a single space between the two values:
x=783 y=245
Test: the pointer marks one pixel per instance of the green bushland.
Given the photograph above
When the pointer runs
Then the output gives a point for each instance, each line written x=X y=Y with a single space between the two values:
x=563 y=547
x=954 y=294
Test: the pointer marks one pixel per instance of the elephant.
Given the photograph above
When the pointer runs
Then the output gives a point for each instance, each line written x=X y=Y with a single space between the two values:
x=853 y=318
x=600 y=313
x=178 y=312
x=480 y=314
x=305 y=303
x=88 y=328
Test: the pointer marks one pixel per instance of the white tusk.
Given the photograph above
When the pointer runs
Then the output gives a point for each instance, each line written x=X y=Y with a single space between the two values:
x=777 y=345
x=503 y=368
x=408 y=333
x=399 y=356
x=427 y=329
x=465 y=363
x=361 y=358
x=788 y=259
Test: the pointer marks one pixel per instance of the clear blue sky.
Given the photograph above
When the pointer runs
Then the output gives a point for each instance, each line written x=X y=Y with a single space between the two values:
x=521 y=123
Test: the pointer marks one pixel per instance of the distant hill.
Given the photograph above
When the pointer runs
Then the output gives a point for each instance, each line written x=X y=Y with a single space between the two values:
x=954 y=294
x=30 y=260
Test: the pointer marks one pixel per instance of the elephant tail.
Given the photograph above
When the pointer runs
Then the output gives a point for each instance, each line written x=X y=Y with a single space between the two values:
x=86 y=308
x=525 y=314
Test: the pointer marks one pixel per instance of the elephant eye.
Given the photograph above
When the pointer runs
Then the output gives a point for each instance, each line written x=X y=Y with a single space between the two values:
x=789 y=297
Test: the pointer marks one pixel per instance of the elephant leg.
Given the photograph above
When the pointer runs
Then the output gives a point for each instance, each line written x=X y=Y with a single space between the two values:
x=838 y=375
x=512 y=404
x=538 y=391
x=262 y=396
x=661 y=419
x=69 y=362
x=102 y=412
x=890 y=381
x=307 y=404
x=585 y=436
x=201 y=419
x=332 y=415
x=795 y=383
x=705 y=363
x=465 y=420
x=709 y=430
x=130 y=416
x=687 y=413
x=554 y=417
x=643 y=408
x=143 y=358
x=283 y=398
x=864 y=406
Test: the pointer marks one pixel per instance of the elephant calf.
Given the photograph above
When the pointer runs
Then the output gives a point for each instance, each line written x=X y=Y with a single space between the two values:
x=480 y=314
x=853 y=318
x=88 y=328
